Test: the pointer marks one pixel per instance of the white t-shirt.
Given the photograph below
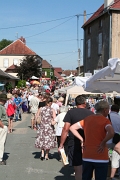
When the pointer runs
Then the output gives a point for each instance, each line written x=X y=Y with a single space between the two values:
x=55 y=107
x=30 y=97
x=34 y=102
x=60 y=123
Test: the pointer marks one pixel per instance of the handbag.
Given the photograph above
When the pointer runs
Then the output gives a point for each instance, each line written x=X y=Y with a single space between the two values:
x=10 y=110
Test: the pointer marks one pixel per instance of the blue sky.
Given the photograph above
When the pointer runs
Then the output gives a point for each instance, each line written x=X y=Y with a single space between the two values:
x=49 y=27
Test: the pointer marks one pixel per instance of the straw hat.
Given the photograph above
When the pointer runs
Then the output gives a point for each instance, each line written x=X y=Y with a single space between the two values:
x=61 y=99
x=9 y=96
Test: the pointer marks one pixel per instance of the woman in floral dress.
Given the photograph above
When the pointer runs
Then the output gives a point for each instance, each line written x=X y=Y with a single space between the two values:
x=46 y=134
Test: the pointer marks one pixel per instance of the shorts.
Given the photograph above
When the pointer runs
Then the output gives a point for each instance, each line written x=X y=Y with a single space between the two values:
x=33 y=115
x=115 y=161
x=75 y=155
x=11 y=117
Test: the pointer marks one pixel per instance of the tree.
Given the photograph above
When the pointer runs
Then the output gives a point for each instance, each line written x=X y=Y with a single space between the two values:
x=8 y=86
x=21 y=83
x=4 y=43
x=29 y=66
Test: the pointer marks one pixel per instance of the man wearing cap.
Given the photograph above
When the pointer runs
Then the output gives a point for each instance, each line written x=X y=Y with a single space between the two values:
x=3 y=127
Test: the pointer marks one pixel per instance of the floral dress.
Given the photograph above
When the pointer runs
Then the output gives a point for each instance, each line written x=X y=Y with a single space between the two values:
x=46 y=134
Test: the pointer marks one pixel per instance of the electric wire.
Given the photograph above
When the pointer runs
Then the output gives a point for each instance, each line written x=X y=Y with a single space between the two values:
x=59 y=53
x=49 y=29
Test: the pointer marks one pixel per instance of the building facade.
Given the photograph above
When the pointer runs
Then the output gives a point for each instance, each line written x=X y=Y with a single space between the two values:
x=102 y=36
x=14 y=53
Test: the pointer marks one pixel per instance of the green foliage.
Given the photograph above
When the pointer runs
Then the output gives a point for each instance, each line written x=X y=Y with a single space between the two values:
x=21 y=83
x=4 y=43
x=29 y=66
x=8 y=86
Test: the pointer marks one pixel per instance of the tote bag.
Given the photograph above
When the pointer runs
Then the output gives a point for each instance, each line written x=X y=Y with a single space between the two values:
x=10 y=110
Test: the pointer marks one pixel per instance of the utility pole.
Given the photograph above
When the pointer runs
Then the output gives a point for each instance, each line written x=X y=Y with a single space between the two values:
x=78 y=44
x=84 y=16
x=50 y=69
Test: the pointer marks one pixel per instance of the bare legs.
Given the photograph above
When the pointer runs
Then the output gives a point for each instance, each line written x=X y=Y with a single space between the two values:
x=10 y=125
x=32 y=123
x=47 y=152
x=44 y=154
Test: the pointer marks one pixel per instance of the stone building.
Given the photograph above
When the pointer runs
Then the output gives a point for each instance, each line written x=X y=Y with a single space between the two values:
x=102 y=36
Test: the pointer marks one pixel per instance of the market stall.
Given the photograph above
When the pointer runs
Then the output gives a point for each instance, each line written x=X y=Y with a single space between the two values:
x=107 y=79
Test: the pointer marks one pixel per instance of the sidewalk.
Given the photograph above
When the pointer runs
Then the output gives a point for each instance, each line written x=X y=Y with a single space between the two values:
x=23 y=159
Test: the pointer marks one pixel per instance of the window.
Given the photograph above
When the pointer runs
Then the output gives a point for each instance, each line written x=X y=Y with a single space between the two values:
x=5 y=63
x=45 y=73
x=51 y=73
x=100 y=23
x=15 y=62
x=100 y=43
x=89 y=48
x=89 y=30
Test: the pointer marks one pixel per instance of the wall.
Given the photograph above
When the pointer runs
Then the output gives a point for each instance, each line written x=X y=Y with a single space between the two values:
x=10 y=61
x=92 y=63
x=115 y=34
x=48 y=73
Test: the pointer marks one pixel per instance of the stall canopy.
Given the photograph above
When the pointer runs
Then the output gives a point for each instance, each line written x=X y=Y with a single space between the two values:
x=107 y=79
x=75 y=90
x=64 y=89
x=80 y=81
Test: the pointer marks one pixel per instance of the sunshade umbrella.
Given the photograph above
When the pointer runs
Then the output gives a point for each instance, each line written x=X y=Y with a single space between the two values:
x=35 y=82
x=107 y=79
x=34 y=77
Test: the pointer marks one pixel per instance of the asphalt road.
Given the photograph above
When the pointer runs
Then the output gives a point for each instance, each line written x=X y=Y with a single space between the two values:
x=23 y=159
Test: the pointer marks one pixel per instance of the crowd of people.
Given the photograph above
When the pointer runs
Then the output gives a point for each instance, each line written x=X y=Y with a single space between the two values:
x=86 y=135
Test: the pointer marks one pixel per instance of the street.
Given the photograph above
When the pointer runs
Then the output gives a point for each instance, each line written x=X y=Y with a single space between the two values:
x=23 y=159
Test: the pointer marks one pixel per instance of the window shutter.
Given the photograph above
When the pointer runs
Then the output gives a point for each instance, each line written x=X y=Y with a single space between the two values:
x=100 y=43
x=5 y=63
x=15 y=61
x=89 y=48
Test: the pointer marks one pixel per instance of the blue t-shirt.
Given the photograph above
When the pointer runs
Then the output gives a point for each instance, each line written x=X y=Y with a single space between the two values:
x=17 y=101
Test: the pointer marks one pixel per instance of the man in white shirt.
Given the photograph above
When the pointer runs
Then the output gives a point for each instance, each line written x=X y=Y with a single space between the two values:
x=30 y=96
x=34 y=103
x=115 y=120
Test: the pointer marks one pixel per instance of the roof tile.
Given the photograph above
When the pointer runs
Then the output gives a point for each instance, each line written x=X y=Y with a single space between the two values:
x=17 y=48
x=99 y=12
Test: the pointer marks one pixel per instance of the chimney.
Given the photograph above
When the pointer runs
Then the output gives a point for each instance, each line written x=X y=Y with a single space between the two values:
x=23 y=39
x=107 y=3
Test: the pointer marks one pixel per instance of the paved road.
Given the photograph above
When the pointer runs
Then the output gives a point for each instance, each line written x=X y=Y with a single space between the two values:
x=23 y=159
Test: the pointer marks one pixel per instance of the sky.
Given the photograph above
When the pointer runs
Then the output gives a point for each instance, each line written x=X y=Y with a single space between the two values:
x=49 y=26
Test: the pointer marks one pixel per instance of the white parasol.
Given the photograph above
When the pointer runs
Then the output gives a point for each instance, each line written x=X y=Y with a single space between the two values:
x=107 y=79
